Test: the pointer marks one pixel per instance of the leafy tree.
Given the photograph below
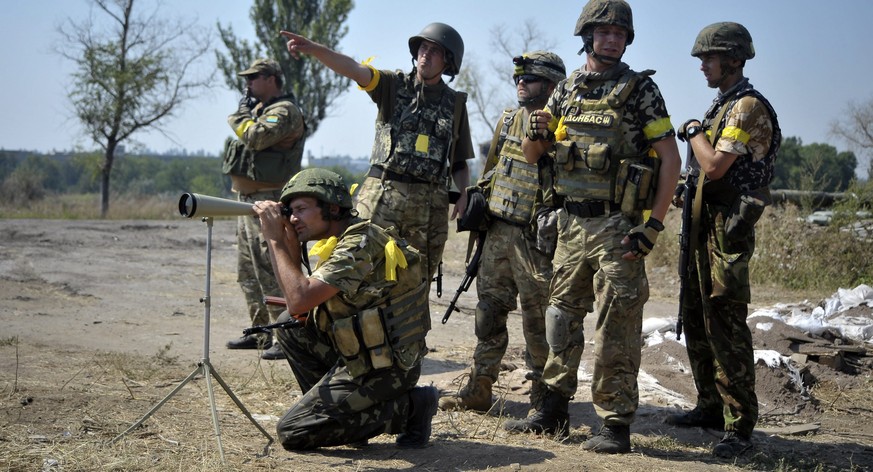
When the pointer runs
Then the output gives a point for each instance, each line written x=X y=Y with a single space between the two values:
x=815 y=167
x=314 y=85
x=131 y=74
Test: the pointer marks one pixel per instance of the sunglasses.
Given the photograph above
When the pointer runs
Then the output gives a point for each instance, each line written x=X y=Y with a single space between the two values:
x=252 y=78
x=527 y=78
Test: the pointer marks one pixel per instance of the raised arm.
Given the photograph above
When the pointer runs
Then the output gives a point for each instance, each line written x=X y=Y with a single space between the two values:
x=335 y=61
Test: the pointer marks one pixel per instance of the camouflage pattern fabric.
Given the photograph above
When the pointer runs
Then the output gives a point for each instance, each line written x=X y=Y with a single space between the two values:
x=510 y=267
x=419 y=213
x=336 y=408
x=588 y=267
x=278 y=125
x=254 y=269
x=717 y=338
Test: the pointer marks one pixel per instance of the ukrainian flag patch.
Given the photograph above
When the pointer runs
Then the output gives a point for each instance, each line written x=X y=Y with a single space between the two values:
x=272 y=119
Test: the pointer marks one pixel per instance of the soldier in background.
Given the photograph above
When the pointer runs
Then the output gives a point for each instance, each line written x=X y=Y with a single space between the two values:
x=422 y=137
x=615 y=156
x=270 y=133
x=356 y=351
x=735 y=146
x=512 y=264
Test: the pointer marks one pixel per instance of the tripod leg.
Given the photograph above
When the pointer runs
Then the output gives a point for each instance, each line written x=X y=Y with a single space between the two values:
x=160 y=403
x=208 y=372
x=242 y=408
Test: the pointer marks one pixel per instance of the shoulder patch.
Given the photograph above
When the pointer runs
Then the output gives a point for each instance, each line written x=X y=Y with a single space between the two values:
x=272 y=119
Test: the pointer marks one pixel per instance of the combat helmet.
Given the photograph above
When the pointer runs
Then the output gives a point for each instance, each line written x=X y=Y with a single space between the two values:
x=729 y=38
x=547 y=65
x=321 y=184
x=445 y=36
x=604 y=12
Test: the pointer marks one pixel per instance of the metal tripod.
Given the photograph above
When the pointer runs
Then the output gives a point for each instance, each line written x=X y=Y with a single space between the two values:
x=205 y=368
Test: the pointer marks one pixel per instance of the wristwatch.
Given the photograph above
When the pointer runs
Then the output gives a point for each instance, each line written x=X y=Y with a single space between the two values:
x=693 y=131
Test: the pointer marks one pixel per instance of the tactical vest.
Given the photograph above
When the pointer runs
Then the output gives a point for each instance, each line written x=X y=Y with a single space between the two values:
x=746 y=174
x=383 y=334
x=417 y=138
x=594 y=153
x=515 y=183
x=275 y=164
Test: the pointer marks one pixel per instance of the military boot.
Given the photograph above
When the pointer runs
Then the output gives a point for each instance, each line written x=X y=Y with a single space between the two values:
x=553 y=418
x=612 y=439
x=538 y=391
x=476 y=395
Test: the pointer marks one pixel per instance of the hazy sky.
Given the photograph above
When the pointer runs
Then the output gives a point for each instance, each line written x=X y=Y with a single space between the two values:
x=812 y=60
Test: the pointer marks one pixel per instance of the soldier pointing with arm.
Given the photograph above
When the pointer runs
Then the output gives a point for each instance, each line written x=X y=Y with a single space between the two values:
x=422 y=137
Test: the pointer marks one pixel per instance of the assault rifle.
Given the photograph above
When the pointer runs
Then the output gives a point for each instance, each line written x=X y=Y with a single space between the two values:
x=689 y=189
x=276 y=301
x=469 y=275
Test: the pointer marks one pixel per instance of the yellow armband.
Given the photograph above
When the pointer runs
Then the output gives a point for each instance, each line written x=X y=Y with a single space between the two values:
x=241 y=129
x=374 y=81
x=560 y=130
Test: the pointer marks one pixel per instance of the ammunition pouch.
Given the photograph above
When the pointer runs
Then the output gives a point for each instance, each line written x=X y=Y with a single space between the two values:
x=575 y=155
x=637 y=183
x=745 y=212
x=546 y=230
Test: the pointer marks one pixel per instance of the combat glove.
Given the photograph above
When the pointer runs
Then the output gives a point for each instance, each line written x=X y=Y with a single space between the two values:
x=644 y=236
x=535 y=125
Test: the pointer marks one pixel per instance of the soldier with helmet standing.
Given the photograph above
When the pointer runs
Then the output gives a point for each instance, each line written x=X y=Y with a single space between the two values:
x=422 y=137
x=512 y=265
x=356 y=352
x=735 y=146
x=615 y=157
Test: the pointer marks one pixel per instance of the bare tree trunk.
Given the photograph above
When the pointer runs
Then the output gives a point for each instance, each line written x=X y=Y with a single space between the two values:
x=106 y=171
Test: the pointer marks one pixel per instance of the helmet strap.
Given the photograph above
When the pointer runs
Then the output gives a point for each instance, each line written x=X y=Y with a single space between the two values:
x=588 y=48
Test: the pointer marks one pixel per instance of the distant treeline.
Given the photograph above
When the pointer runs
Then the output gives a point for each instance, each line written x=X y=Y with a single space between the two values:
x=28 y=176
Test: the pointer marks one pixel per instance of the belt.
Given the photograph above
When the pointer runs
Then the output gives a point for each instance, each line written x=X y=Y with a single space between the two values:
x=590 y=209
x=391 y=175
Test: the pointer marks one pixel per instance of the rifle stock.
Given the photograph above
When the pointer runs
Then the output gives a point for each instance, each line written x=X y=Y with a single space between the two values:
x=469 y=274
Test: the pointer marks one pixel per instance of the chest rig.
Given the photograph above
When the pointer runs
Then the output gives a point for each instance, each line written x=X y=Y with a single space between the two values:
x=589 y=160
x=417 y=138
x=515 y=182
x=395 y=316
x=746 y=174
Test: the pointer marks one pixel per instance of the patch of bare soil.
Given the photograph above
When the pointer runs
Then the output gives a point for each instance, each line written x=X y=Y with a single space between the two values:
x=101 y=320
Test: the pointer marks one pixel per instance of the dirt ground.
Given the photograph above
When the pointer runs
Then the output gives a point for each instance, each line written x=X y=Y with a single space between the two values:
x=102 y=319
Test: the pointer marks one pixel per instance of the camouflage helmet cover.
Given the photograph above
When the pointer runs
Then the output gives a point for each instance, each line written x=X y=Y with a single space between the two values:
x=547 y=65
x=445 y=36
x=732 y=39
x=321 y=184
x=605 y=12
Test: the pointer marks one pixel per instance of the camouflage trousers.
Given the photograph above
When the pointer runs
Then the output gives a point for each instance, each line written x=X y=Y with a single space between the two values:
x=717 y=336
x=337 y=408
x=419 y=212
x=510 y=267
x=254 y=269
x=588 y=267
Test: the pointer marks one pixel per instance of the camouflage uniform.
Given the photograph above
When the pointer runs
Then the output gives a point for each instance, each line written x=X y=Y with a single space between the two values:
x=718 y=339
x=415 y=199
x=340 y=406
x=588 y=264
x=276 y=128
x=511 y=267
